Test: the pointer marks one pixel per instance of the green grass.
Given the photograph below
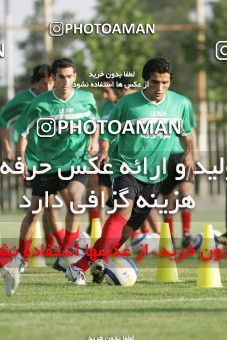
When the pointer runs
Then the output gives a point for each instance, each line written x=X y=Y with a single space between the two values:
x=46 y=305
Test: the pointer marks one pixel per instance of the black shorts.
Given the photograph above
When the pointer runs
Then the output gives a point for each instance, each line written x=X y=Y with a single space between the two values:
x=170 y=183
x=52 y=183
x=105 y=180
x=136 y=188
x=29 y=183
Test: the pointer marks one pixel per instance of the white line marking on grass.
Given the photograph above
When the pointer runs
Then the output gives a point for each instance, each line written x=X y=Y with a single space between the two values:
x=111 y=302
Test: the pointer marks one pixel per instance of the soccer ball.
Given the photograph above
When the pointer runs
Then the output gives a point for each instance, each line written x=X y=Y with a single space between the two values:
x=121 y=271
x=197 y=241
x=151 y=239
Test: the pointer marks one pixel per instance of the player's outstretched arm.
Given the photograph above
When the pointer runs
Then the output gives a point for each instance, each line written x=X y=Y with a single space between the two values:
x=7 y=151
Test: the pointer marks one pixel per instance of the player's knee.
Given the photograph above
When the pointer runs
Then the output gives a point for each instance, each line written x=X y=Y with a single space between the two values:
x=184 y=189
x=31 y=216
x=73 y=205
x=75 y=197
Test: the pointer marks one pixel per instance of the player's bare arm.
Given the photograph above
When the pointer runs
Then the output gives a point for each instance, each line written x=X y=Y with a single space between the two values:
x=188 y=158
x=22 y=146
x=195 y=145
x=104 y=149
x=93 y=147
x=7 y=151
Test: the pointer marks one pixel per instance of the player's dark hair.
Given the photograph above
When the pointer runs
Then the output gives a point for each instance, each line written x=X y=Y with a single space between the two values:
x=104 y=78
x=125 y=81
x=40 y=72
x=159 y=65
x=62 y=63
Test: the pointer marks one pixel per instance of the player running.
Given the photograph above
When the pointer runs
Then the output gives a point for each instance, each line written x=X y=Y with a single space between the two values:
x=101 y=182
x=41 y=81
x=118 y=88
x=61 y=151
x=170 y=185
x=11 y=116
x=155 y=104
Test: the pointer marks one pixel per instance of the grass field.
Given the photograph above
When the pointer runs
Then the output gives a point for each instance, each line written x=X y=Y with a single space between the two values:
x=48 y=306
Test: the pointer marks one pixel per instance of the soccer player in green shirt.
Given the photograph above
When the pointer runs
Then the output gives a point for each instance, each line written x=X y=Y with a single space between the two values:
x=152 y=220
x=183 y=186
x=154 y=103
x=61 y=151
x=11 y=116
x=41 y=81
x=101 y=182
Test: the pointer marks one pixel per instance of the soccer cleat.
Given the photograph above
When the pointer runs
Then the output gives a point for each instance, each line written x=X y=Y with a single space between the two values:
x=186 y=241
x=58 y=266
x=11 y=274
x=21 y=264
x=98 y=271
x=62 y=263
x=173 y=241
x=88 y=231
x=222 y=239
x=76 y=275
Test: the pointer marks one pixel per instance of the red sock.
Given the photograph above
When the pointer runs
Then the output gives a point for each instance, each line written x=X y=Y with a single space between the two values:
x=49 y=240
x=93 y=213
x=134 y=234
x=24 y=248
x=60 y=235
x=111 y=235
x=145 y=230
x=70 y=238
x=112 y=231
x=4 y=259
x=84 y=262
x=169 y=219
x=186 y=221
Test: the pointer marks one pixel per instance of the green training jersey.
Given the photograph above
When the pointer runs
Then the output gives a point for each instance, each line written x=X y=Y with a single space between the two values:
x=43 y=117
x=15 y=107
x=105 y=110
x=11 y=113
x=178 y=147
x=148 y=130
